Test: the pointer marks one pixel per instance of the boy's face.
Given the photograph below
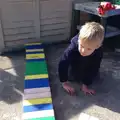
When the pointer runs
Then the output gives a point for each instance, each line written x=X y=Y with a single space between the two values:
x=86 y=48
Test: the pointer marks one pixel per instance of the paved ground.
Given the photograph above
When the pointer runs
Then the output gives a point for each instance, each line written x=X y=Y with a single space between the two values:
x=11 y=86
x=104 y=105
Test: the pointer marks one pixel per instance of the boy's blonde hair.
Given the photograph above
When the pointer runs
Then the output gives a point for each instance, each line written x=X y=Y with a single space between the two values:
x=92 y=32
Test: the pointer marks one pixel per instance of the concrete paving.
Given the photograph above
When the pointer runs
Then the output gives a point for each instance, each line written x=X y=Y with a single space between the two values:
x=11 y=85
x=104 y=105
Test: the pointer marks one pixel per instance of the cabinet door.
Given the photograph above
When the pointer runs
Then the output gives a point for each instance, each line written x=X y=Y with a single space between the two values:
x=55 y=20
x=1 y=35
x=20 y=19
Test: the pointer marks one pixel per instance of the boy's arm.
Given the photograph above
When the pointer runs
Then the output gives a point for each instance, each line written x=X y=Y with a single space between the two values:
x=63 y=69
x=64 y=63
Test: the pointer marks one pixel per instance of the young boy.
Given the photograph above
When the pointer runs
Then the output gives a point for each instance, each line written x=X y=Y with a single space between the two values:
x=83 y=56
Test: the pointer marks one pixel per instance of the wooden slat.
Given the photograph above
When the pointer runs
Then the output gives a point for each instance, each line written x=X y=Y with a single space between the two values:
x=10 y=24
x=36 y=15
x=55 y=32
x=48 y=39
x=54 y=26
x=19 y=36
x=55 y=38
x=17 y=11
x=57 y=6
x=55 y=20
x=19 y=30
x=57 y=14
x=20 y=42
x=20 y=0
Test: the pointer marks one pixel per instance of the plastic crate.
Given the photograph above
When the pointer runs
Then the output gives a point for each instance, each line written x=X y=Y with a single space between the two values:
x=117 y=2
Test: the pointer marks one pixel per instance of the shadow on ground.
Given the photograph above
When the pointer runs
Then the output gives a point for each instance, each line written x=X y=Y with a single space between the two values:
x=12 y=77
x=104 y=105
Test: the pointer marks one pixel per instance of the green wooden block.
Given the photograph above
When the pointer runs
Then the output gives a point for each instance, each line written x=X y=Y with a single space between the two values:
x=33 y=68
x=45 y=118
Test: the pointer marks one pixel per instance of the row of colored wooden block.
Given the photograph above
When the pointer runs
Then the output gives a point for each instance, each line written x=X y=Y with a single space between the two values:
x=37 y=103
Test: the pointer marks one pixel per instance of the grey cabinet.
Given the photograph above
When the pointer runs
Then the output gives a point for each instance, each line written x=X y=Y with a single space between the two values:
x=25 y=21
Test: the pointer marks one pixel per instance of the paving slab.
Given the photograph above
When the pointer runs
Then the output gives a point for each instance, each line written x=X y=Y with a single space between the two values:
x=104 y=105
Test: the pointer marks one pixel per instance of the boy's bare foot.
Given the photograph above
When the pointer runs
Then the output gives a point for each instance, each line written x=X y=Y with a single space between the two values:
x=68 y=88
x=86 y=90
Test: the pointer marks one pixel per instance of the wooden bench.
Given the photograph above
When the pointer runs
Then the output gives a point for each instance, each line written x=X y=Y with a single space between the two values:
x=37 y=102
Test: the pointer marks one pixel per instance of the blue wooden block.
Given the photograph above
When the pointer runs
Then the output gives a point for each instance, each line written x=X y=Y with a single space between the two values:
x=40 y=107
x=36 y=83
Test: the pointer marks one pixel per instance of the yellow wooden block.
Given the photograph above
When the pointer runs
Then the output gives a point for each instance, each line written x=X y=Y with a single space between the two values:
x=33 y=44
x=30 y=77
x=35 y=50
x=35 y=56
x=37 y=101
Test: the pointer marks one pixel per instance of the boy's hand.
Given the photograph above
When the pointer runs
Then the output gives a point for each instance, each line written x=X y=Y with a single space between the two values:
x=86 y=90
x=68 y=88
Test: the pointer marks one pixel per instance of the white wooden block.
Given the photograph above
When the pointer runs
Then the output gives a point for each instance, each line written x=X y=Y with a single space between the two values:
x=38 y=114
x=37 y=90
x=37 y=95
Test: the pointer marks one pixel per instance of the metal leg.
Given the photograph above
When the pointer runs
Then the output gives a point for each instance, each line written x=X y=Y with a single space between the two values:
x=104 y=23
x=75 y=21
